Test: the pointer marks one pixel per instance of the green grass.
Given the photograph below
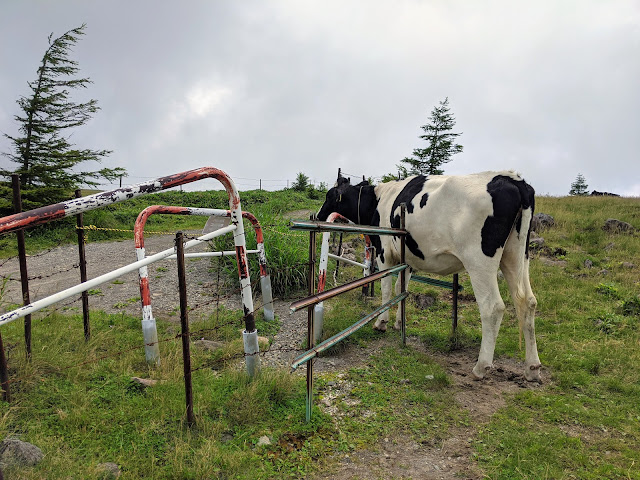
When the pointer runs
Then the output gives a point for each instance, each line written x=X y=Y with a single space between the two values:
x=122 y=216
x=75 y=400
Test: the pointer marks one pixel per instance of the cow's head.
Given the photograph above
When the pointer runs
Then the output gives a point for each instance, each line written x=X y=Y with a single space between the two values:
x=355 y=202
x=337 y=200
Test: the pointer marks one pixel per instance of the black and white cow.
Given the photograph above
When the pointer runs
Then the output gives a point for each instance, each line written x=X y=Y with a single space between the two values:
x=479 y=223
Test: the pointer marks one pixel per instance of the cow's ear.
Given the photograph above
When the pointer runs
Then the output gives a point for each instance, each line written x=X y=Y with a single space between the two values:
x=343 y=181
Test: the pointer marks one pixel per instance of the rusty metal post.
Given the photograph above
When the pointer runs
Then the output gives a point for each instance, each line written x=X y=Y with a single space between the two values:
x=310 y=319
x=83 y=271
x=184 y=323
x=403 y=278
x=4 y=373
x=22 y=258
x=454 y=315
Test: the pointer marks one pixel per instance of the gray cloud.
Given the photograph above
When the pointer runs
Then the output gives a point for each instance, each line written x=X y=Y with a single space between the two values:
x=268 y=89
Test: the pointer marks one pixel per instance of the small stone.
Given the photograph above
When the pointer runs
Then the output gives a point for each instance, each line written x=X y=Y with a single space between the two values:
x=22 y=454
x=429 y=377
x=540 y=221
x=405 y=381
x=331 y=384
x=145 y=382
x=263 y=441
x=536 y=242
x=226 y=437
x=628 y=265
x=109 y=471
x=588 y=263
x=603 y=272
x=617 y=226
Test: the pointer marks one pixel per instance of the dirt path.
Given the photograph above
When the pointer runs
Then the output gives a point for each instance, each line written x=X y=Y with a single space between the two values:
x=398 y=457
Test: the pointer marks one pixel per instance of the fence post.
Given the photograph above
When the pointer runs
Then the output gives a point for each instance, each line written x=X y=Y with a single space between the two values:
x=83 y=271
x=22 y=257
x=311 y=341
x=454 y=313
x=184 y=323
x=403 y=278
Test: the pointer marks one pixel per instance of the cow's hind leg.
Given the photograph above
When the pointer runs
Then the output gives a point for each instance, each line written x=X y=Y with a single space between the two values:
x=383 y=318
x=515 y=268
x=398 y=323
x=485 y=287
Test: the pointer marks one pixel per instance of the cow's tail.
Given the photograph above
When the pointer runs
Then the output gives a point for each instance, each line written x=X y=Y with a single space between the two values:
x=523 y=227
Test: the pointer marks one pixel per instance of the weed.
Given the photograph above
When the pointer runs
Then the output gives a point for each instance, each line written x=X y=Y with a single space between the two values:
x=608 y=289
x=631 y=307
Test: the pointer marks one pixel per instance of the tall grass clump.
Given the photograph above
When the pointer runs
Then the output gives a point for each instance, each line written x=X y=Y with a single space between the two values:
x=286 y=250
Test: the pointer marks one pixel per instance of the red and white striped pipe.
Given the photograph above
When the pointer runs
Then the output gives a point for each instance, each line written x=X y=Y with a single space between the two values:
x=322 y=270
x=72 y=207
x=145 y=295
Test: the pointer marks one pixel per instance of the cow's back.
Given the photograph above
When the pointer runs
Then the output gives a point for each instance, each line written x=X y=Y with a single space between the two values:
x=445 y=217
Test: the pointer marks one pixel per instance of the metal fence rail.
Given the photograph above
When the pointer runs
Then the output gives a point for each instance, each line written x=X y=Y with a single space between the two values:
x=22 y=220
x=313 y=227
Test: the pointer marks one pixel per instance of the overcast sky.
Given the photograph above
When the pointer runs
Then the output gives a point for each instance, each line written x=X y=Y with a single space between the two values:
x=267 y=89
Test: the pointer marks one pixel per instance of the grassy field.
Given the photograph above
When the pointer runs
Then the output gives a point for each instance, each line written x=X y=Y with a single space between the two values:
x=76 y=400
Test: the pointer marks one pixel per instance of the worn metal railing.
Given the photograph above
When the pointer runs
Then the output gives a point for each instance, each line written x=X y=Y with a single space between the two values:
x=314 y=298
x=68 y=208
x=148 y=321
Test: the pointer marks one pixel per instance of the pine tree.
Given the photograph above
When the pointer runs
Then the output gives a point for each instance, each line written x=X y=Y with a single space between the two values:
x=441 y=148
x=579 y=186
x=301 y=183
x=46 y=159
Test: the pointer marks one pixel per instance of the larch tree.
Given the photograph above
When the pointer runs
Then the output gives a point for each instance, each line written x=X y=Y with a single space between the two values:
x=47 y=162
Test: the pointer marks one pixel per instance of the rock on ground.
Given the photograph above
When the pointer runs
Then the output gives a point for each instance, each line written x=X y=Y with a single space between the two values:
x=15 y=452
x=617 y=226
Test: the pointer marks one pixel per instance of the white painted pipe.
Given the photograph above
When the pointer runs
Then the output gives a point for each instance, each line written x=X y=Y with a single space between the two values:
x=318 y=322
x=346 y=260
x=226 y=253
x=150 y=336
x=251 y=352
x=267 y=298
x=94 y=282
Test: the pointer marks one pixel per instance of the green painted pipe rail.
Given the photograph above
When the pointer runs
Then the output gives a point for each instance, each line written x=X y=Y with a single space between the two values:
x=317 y=226
x=329 y=342
x=432 y=281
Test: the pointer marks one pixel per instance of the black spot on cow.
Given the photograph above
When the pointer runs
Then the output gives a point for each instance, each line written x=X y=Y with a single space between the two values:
x=406 y=196
x=423 y=200
x=413 y=247
x=509 y=198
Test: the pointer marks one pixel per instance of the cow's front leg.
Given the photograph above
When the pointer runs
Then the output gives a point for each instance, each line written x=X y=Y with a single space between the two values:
x=383 y=318
x=407 y=272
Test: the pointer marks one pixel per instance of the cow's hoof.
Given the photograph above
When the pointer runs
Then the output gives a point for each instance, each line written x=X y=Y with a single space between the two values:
x=479 y=373
x=532 y=373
